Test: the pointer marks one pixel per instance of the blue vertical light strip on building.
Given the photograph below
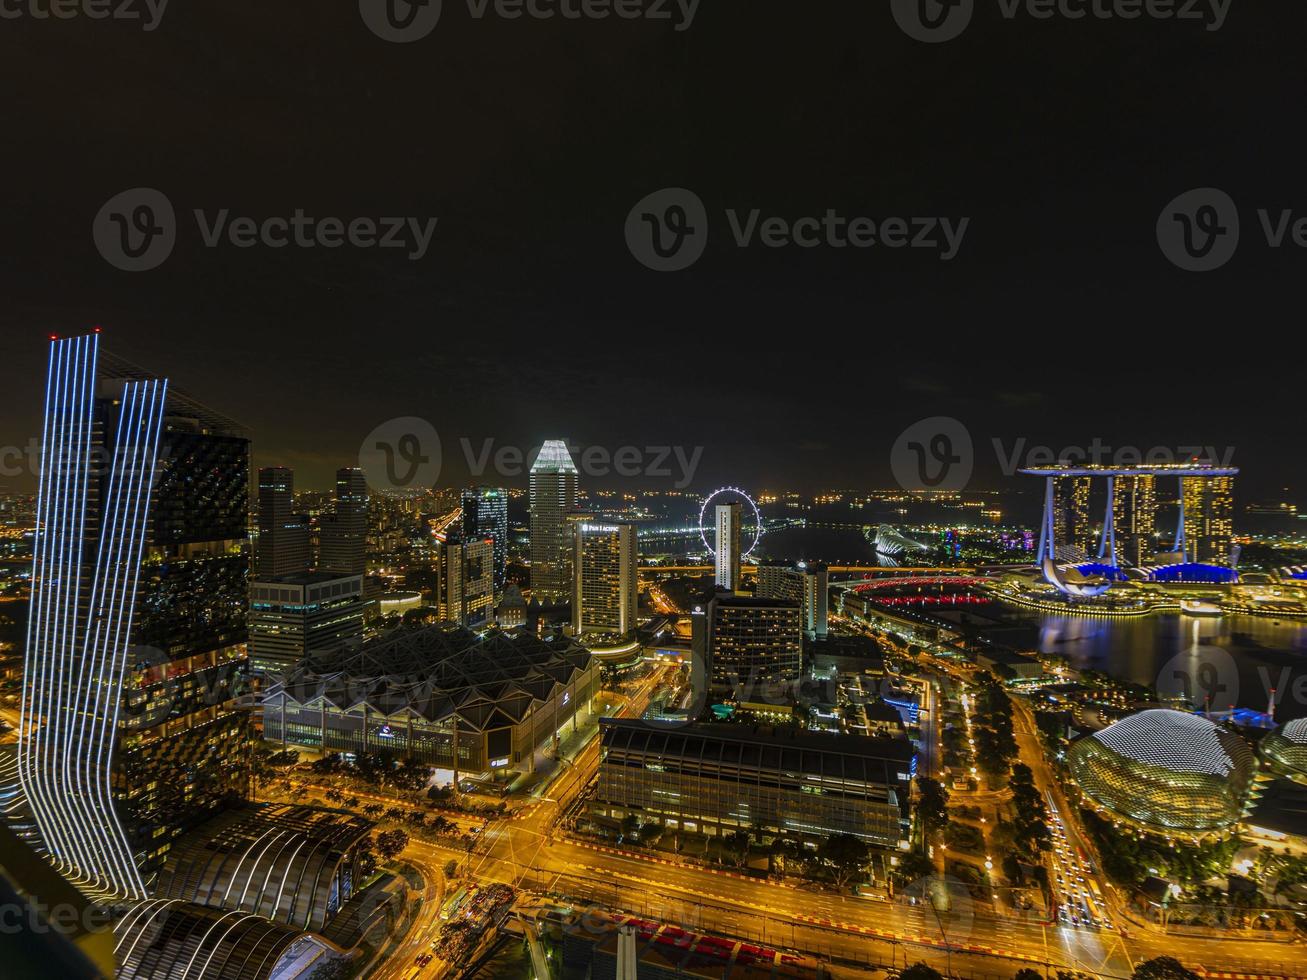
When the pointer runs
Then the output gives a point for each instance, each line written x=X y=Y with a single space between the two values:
x=78 y=642
x=56 y=579
x=32 y=664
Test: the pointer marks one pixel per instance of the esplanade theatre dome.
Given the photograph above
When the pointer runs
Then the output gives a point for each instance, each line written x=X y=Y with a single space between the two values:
x=1167 y=770
x=1286 y=749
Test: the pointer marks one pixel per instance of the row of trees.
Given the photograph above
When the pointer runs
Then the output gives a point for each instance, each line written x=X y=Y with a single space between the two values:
x=1129 y=858
x=1160 y=968
x=992 y=728
x=840 y=858
x=376 y=769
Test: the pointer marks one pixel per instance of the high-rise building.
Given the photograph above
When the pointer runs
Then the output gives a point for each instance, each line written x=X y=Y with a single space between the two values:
x=1073 y=529
x=752 y=644
x=295 y=616
x=344 y=533
x=485 y=515
x=467 y=580
x=1209 y=518
x=1135 y=518
x=727 y=546
x=136 y=648
x=807 y=584
x=606 y=593
x=553 y=498
x=283 y=546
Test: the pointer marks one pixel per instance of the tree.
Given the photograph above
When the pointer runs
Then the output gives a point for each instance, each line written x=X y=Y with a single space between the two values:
x=912 y=866
x=920 y=971
x=1163 y=968
x=1028 y=974
x=451 y=868
x=630 y=825
x=737 y=844
x=845 y=856
x=391 y=842
x=1012 y=869
x=932 y=805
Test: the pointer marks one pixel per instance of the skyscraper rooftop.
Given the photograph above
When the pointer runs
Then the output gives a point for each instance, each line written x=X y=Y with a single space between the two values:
x=554 y=458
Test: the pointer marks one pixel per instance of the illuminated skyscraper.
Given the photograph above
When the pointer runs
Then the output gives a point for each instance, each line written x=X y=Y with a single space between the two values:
x=1074 y=531
x=606 y=593
x=136 y=646
x=485 y=515
x=344 y=533
x=553 y=497
x=1135 y=518
x=727 y=546
x=1209 y=518
x=283 y=535
x=467 y=580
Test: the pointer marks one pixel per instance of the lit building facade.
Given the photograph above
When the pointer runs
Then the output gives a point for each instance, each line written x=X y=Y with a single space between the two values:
x=752 y=644
x=606 y=593
x=283 y=545
x=727 y=546
x=344 y=533
x=467 y=580
x=1166 y=771
x=1208 y=519
x=553 y=497
x=295 y=616
x=136 y=651
x=1134 y=505
x=485 y=515
x=1072 y=525
x=717 y=779
x=807 y=584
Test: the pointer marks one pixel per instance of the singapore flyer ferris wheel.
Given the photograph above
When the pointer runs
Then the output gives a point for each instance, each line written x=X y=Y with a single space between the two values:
x=728 y=495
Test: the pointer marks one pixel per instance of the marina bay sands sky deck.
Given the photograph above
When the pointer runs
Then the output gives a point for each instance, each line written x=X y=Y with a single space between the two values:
x=1179 y=470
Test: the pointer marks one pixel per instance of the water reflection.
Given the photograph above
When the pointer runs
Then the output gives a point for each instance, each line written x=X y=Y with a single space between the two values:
x=1265 y=653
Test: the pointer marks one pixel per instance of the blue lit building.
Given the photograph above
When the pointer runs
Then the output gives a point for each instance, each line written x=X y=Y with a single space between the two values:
x=136 y=646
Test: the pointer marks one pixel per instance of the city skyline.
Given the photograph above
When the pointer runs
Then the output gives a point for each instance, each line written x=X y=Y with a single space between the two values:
x=652 y=490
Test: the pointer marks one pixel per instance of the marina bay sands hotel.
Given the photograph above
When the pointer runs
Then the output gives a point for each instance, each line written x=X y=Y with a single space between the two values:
x=1080 y=559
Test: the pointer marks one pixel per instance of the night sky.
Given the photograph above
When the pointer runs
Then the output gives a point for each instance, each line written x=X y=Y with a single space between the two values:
x=1058 y=321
